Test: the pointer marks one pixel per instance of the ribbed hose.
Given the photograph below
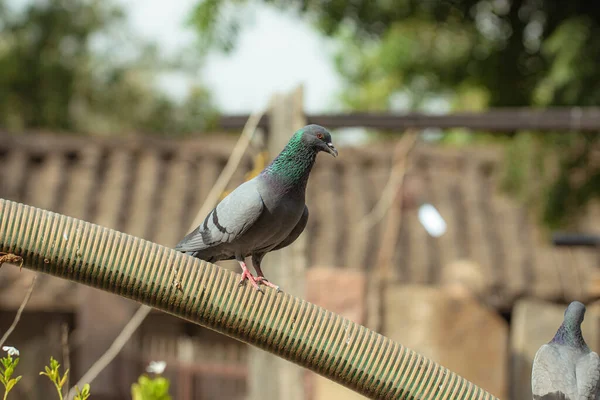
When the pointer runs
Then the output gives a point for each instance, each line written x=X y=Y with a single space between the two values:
x=296 y=330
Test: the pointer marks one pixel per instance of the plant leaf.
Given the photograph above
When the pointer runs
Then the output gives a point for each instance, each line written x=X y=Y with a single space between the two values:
x=63 y=380
x=8 y=372
x=12 y=383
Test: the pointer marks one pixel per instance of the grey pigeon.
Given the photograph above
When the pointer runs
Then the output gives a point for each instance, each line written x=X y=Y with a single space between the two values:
x=266 y=213
x=566 y=368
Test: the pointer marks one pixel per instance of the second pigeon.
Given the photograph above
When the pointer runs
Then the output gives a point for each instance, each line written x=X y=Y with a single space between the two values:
x=566 y=368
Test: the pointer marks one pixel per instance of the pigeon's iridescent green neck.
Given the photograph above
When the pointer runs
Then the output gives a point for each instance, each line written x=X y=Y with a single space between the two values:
x=292 y=166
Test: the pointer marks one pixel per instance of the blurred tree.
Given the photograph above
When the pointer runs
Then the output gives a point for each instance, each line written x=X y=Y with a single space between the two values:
x=472 y=54
x=71 y=65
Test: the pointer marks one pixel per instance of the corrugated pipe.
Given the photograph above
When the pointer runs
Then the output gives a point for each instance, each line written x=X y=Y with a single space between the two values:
x=208 y=295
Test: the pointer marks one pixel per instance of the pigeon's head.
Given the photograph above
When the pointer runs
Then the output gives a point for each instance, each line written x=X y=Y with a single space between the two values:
x=574 y=313
x=318 y=138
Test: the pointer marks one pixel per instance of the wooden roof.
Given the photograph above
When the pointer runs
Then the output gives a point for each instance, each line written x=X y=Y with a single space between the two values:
x=153 y=188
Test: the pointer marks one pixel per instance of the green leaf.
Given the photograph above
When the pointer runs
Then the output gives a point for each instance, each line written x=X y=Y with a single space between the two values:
x=84 y=393
x=12 y=383
x=151 y=389
x=8 y=372
x=63 y=380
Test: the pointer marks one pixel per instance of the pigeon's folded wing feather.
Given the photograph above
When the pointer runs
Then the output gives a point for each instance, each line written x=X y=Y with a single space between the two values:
x=230 y=219
x=551 y=377
x=588 y=376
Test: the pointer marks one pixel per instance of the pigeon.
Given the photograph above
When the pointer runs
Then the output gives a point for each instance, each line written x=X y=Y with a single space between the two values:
x=265 y=213
x=566 y=368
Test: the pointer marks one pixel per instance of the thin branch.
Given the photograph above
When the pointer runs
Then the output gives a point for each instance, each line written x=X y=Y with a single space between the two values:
x=376 y=281
x=403 y=148
x=66 y=354
x=232 y=163
x=402 y=159
x=114 y=349
x=19 y=311
x=213 y=196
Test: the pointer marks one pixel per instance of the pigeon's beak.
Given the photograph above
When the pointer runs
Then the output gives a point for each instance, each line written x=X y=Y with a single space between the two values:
x=331 y=149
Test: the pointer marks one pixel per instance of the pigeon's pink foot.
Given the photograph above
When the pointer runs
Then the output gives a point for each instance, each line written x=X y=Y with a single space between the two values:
x=262 y=280
x=246 y=274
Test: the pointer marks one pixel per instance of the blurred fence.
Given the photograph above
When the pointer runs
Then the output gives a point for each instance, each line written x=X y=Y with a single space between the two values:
x=495 y=120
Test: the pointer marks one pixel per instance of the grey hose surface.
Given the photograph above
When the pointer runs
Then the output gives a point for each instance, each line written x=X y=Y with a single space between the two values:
x=208 y=295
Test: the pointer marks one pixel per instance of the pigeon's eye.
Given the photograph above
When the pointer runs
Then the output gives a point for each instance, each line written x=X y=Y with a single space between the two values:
x=319 y=136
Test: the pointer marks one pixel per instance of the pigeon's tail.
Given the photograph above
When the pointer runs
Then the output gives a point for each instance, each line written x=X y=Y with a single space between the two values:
x=558 y=395
x=191 y=243
x=190 y=253
x=206 y=257
x=183 y=248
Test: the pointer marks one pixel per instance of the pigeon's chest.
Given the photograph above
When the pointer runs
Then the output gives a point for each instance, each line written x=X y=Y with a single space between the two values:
x=283 y=215
x=280 y=217
x=280 y=214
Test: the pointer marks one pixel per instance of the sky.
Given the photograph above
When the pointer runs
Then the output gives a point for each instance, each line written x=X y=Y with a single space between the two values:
x=275 y=52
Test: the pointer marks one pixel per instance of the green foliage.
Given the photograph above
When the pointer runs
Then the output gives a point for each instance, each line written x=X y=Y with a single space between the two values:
x=8 y=365
x=52 y=372
x=6 y=372
x=555 y=174
x=82 y=394
x=219 y=28
x=577 y=182
x=148 y=388
x=72 y=66
x=572 y=52
x=145 y=388
x=521 y=53
x=473 y=54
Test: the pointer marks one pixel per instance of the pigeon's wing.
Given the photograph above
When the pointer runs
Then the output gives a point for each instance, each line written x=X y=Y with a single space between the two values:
x=588 y=376
x=298 y=229
x=229 y=220
x=552 y=375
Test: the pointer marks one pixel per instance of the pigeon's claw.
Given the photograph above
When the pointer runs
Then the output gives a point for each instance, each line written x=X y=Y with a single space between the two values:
x=265 y=281
x=246 y=274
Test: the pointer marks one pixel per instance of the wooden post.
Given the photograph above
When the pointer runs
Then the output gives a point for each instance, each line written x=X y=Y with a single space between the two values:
x=270 y=377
